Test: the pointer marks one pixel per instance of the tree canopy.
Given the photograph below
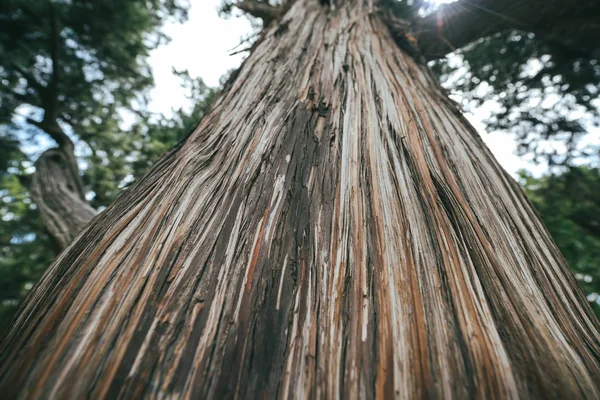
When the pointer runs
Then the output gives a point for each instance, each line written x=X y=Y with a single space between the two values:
x=77 y=61
x=545 y=96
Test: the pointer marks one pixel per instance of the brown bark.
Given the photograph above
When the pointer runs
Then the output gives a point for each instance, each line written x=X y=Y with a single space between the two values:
x=333 y=228
x=57 y=192
x=571 y=25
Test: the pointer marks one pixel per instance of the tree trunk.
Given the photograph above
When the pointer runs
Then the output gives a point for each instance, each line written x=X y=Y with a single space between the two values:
x=58 y=194
x=333 y=228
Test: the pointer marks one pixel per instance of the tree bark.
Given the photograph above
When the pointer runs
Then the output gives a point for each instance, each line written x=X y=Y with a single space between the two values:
x=58 y=194
x=333 y=228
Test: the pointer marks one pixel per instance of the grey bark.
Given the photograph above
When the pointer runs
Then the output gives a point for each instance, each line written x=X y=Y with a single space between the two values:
x=57 y=191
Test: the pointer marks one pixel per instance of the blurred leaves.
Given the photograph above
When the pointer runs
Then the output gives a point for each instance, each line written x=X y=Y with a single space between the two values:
x=121 y=157
x=101 y=55
x=544 y=95
x=569 y=204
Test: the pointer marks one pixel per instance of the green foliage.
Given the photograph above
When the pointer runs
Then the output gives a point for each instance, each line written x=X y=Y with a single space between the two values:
x=545 y=94
x=78 y=64
x=78 y=59
x=570 y=207
x=162 y=135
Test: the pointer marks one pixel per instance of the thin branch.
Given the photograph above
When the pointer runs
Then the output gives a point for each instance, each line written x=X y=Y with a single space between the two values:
x=261 y=10
x=53 y=129
x=30 y=79
x=241 y=51
x=244 y=41
x=33 y=122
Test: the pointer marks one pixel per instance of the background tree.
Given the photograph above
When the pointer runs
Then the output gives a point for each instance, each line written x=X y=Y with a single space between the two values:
x=67 y=67
x=25 y=248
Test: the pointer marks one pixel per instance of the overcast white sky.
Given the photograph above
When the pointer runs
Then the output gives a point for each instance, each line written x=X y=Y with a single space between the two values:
x=202 y=46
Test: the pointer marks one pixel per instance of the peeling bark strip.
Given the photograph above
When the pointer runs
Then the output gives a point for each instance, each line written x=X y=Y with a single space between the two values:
x=333 y=228
x=59 y=197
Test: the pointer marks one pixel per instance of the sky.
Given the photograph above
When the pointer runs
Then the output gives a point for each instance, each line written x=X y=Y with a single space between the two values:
x=203 y=45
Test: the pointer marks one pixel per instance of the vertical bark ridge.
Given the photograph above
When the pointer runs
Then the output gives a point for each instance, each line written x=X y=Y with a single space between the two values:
x=333 y=228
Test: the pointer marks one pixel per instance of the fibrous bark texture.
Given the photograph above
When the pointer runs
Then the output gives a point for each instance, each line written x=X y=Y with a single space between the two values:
x=333 y=228
x=57 y=191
